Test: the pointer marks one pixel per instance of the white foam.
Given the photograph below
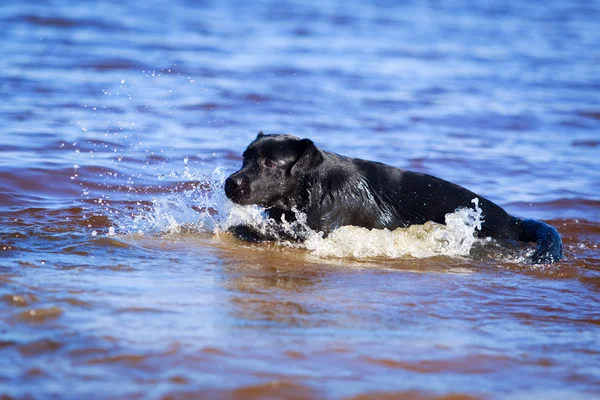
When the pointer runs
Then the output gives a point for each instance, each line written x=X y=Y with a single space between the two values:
x=197 y=209
x=456 y=238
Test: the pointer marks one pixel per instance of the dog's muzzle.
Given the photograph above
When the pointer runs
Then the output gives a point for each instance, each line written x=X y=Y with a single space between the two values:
x=237 y=188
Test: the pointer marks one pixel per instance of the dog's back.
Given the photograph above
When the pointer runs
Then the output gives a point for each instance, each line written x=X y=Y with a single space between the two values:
x=376 y=196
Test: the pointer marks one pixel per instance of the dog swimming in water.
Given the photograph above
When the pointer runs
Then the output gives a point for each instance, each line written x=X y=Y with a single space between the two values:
x=285 y=174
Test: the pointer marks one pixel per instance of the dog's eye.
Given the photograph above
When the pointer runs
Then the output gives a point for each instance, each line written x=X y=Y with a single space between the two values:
x=270 y=163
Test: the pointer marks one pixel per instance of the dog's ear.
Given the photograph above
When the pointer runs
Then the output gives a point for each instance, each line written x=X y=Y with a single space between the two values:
x=260 y=134
x=309 y=158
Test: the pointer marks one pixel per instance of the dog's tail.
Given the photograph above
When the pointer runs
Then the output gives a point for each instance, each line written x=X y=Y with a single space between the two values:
x=549 y=243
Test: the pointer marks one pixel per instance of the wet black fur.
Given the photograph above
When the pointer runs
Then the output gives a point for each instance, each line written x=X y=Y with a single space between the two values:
x=282 y=172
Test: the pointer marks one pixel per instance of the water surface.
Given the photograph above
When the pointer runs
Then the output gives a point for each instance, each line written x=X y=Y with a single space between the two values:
x=120 y=120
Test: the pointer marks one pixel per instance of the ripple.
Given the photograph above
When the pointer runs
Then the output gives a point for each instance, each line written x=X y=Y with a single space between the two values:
x=36 y=373
x=39 y=347
x=586 y=143
x=50 y=21
x=269 y=390
x=141 y=310
x=40 y=315
x=67 y=23
x=18 y=300
x=590 y=114
x=414 y=395
x=475 y=364
x=130 y=359
x=116 y=64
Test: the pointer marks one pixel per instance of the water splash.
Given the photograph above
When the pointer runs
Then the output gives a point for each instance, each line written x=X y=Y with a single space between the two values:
x=455 y=239
x=202 y=209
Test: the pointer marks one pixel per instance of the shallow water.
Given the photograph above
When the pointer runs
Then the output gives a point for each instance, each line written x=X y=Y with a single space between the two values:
x=121 y=120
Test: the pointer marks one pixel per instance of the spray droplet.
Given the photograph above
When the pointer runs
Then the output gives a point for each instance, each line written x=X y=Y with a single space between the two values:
x=186 y=169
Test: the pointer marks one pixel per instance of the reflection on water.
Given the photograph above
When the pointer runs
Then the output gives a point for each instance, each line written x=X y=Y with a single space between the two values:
x=121 y=120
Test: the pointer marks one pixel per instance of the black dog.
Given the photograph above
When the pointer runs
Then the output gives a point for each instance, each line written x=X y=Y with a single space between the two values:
x=283 y=172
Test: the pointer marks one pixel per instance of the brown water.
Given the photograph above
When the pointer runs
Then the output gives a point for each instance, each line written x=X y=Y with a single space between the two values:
x=121 y=120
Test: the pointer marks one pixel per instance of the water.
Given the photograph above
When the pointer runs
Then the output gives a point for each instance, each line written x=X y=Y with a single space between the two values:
x=120 y=121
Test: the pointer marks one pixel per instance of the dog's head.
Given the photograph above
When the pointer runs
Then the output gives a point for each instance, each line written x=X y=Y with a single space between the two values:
x=272 y=169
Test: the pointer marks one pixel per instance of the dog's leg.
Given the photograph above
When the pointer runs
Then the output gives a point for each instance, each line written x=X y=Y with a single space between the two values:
x=253 y=235
x=248 y=234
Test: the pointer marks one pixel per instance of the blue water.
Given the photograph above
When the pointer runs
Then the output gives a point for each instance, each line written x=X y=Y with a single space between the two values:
x=119 y=117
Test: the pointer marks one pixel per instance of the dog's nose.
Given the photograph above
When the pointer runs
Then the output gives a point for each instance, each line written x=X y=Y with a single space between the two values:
x=232 y=186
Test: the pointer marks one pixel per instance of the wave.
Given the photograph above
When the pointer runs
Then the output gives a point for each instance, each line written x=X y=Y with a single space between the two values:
x=454 y=239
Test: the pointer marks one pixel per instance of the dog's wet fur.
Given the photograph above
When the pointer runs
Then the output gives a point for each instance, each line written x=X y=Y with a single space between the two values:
x=284 y=174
